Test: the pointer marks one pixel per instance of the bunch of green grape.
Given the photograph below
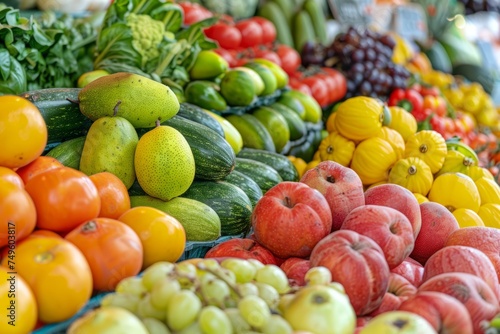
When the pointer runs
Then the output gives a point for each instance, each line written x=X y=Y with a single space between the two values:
x=234 y=296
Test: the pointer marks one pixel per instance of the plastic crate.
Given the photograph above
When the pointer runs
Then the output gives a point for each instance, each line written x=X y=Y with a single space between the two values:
x=193 y=249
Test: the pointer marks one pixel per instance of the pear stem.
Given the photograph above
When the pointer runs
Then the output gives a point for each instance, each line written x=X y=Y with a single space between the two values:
x=115 y=109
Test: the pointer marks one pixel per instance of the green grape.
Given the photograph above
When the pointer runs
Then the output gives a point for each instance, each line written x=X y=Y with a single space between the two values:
x=268 y=294
x=214 y=291
x=186 y=274
x=254 y=310
x=226 y=275
x=274 y=276
x=495 y=323
x=124 y=300
x=132 y=285
x=208 y=264
x=277 y=325
x=284 y=302
x=213 y=320
x=194 y=328
x=242 y=269
x=146 y=310
x=247 y=289
x=182 y=310
x=155 y=326
x=237 y=322
x=162 y=291
x=156 y=272
x=318 y=276
x=256 y=263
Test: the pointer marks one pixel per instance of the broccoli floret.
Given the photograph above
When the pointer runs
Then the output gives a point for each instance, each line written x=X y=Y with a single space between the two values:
x=147 y=33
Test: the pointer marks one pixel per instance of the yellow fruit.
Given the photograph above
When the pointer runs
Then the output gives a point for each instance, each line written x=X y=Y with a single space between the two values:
x=336 y=148
x=487 y=117
x=454 y=191
x=372 y=160
x=467 y=218
x=232 y=135
x=490 y=214
x=429 y=146
x=489 y=191
x=375 y=184
x=311 y=164
x=403 y=122
x=394 y=138
x=413 y=174
x=359 y=118
x=476 y=172
x=420 y=198
x=455 y=162
x=330 y=122
x=299 y=163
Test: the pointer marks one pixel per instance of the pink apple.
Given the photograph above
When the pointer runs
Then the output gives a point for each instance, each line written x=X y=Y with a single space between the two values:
x=388 y=227
x=472 y=291
x=398 y=291
x=399 y=198
x=390 y=302
x=445 y=313
x=462 y=259
x=411 y=270
x=358 y=263
x=341 y=187
x=243 y=249
x=290 y=219
x=437 y=224
x=295 y=269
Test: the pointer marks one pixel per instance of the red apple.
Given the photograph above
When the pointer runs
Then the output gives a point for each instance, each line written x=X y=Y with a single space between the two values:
x=462 y=259
x=471 y=290
x=388 y=227
x=295 y=269
x=398 y=291
x=445 y=313
x=437 y=224
x=399 y=198
x=243 y=249
x=390 y=302
x=358 y=263
x=290 y=219
x=341 y=187
x=485 y=239
x=411 y=270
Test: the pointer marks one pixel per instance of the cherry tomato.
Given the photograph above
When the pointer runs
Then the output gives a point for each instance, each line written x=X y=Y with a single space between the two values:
x=267 y=54
x=437 y=124
x=340 y=83
x=429 y=91
x=228 y=37
x=296 y=84
x=290 y=58
x=251 y=33
x=194 y=12
x=268 y=29
x=331 y=86
x=318 y=89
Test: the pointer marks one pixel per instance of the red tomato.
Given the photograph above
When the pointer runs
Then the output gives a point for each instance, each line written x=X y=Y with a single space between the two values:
x=331 y=86
x=290 y=58
x=296 y=84
x=227 y=36
x=341 y=82
x=227 y=55
x=194 y=12
x=268 y=29
x=318 y=89
x=267 y=54
x=227 y=19
x=251 y=33
x=438 y=124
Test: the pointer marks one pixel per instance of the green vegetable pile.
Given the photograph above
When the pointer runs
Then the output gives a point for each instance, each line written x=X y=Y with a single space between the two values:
x=48 y=52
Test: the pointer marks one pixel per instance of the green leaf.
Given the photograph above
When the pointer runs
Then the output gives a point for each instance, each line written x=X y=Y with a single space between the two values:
x=115 y=43
x=4 y=64
x=16 y=82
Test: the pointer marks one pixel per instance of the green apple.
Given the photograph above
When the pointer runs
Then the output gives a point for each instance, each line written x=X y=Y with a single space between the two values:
x=320 y=309
x=88 y=77
x=398 y=322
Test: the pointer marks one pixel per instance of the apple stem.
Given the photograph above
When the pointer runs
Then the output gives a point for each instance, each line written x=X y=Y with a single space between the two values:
x=330 y=179
x=288 y=202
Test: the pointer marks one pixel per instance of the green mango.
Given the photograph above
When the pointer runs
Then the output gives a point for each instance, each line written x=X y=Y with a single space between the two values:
x=205 y=95
x=208 y=64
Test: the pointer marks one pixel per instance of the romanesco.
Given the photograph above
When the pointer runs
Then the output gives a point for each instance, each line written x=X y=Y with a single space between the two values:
x=147 y=33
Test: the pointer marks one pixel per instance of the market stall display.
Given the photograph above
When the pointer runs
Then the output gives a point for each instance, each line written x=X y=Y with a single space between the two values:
x=203 y=167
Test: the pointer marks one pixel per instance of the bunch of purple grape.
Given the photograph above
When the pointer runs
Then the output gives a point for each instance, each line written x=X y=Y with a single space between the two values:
x=474 y=6
x=364 y=58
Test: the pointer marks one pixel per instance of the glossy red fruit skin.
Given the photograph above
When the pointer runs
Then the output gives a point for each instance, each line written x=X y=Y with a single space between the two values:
x=242 y=248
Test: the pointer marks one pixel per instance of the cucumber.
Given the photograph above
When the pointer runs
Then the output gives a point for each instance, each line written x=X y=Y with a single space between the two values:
x=200 y=221
x=280 y=163
x=69 y=152
x=136 y=189
x=63 y=118
x=213 y=156
x=265 y=176
x=196 y=114
x=230 y=203
x=249 y=186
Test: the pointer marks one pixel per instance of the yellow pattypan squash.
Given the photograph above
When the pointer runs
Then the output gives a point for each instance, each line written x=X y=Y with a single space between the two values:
x=336 y=148
x=467 y=218
x=490 y=214
x=454 y=191
x=420 y=198
x=456 y=162
x=394 y=138
x=429 y=146
x=359 y=118
x=372 y=160
x=489 y=191
x=476 y=172
x=413 y=174
x=403 y=122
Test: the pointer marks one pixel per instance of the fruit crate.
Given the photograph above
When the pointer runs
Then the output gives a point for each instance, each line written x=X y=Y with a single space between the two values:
x=193 y=249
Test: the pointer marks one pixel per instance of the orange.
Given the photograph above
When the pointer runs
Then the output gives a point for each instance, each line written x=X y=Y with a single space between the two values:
x=162 y=236
x=9 y=175
x=38 y=166
x=23 y=132
x=113 y=193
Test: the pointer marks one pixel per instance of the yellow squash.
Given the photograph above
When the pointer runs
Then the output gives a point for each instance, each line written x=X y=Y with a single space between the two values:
x=330 y=122
x=403 y=122
x=336 y=148
x=299 y=163
x=420 y=198
x=413 y=174
x=456 y=162
x=467 y=218
x=476 y=172
x=372 y=160
x=490 y=214
x=394 y=138
x=489 y=191
x=454 y=191
x=429 y=146
x=359 y=118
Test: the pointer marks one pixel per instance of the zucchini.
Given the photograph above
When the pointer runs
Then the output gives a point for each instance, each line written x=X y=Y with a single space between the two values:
x=200 y=221
x=279 y=162
x=265 y=176
x=213 y=156
x=63 y=118
x=69 y=152
x=196 y=114
x=249 y=186
x=230 y=202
